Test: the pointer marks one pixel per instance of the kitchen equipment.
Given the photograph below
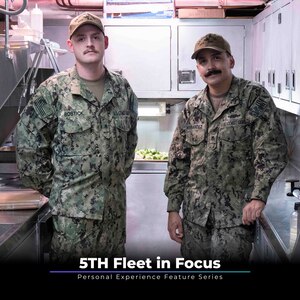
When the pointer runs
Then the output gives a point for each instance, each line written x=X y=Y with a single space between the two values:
x=20 y=199
x=294 y=228
x=15 y=82
x=13 y=196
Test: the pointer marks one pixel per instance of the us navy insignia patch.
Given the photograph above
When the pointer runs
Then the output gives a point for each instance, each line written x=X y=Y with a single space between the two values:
x=258 y=108
x=42 y=107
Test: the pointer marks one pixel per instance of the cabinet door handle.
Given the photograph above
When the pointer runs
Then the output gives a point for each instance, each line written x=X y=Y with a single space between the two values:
x=257 y=77
x=293 y=80
x=279 y=88
x=187 y=76
x=287 y=79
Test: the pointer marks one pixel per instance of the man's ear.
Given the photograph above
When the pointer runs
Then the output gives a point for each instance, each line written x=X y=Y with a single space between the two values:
x=232 y=62
x=106 y=42
x=70 y=45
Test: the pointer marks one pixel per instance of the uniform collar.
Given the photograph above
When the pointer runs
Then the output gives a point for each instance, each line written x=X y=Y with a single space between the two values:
x=232 y=99
x=78 y=87
x=111 y=88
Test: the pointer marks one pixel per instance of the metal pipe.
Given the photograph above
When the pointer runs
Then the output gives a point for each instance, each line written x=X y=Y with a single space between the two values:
x=8 y=54
x=59 y=4
x=71 y=6
x=6 y=11
x=35 y=64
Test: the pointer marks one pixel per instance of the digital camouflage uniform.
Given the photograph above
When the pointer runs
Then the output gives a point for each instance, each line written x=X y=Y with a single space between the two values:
x=218 y=162
x=78 y=151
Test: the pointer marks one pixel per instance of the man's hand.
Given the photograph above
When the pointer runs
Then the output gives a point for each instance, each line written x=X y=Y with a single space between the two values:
x=252 y=211
x=175 y=226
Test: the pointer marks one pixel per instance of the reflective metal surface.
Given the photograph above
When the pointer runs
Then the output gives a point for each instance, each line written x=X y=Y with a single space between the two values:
x=147 y=234
x=21 y=238
x=13 y=72
x=296 y=193
x=276 y=215
x=149 y=167
x=10 y=182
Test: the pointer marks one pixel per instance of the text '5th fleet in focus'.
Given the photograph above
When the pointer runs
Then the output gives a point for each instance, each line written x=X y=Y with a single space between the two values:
x=124 y=263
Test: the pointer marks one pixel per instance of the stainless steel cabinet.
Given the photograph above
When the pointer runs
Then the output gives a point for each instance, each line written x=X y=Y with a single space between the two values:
x=152 y=53
x=295 y=70
x=273 y=43
x=142 y=54
x=276 y=61
x=188 y=36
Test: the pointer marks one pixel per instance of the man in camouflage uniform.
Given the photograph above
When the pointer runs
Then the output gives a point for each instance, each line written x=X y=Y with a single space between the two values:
x=75 y=144
x=227 y=150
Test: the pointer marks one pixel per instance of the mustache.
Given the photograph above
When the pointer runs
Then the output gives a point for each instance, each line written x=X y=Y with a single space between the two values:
x=90 y=50
x=212 y=72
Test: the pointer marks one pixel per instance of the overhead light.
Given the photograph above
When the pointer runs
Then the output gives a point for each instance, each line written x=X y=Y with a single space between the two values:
x=152 y=109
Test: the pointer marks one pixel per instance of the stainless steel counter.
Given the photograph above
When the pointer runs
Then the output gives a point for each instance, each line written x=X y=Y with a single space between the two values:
x=275 y=220
x=20 y=238
x=147 y=217
x=147 y=234
x=20 y=230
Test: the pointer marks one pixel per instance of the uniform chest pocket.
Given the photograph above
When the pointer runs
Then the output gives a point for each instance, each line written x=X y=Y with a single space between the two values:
x=115 y=126
x=195 y=135
x=236 y=141
x=77 y=136
x=235 y=133
x=77 y=125
x=123 y=122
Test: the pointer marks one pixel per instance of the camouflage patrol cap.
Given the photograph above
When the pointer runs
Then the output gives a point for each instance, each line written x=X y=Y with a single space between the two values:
x=211 y=41
x=83 y=19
